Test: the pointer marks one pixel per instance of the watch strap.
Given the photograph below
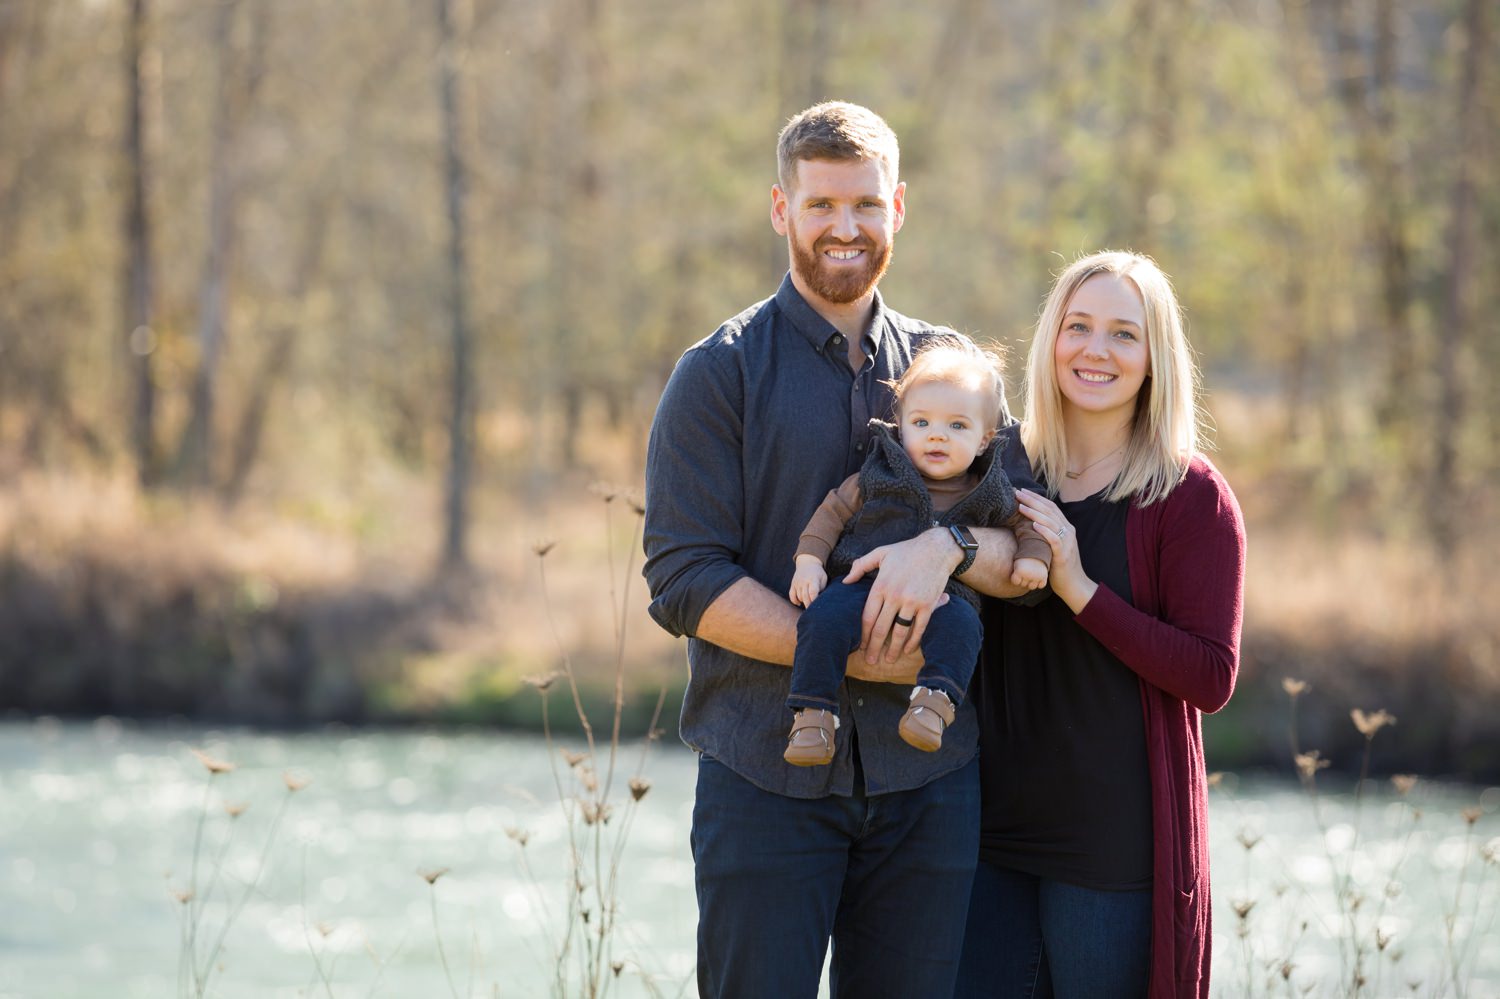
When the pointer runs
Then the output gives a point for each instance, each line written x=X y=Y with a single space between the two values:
x=969 y=550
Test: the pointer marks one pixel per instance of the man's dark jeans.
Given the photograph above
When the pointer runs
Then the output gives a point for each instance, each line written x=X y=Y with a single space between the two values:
x=1031 y=938
x=829 y=630
x=887 y=877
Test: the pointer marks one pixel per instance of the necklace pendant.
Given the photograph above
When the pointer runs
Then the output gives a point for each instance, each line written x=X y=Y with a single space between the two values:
x=1071 y=475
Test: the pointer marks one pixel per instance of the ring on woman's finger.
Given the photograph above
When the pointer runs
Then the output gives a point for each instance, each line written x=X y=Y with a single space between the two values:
x=904 y=622
x=1062 y=532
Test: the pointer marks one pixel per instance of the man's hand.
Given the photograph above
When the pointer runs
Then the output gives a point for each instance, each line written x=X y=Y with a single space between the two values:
x=904 y=670
x=913 y=575
x=808 y=581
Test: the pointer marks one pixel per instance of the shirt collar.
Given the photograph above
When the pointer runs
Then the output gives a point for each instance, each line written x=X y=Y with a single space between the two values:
x=819 y=331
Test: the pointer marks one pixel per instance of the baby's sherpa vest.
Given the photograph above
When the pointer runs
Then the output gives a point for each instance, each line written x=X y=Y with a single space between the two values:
x=898 y=507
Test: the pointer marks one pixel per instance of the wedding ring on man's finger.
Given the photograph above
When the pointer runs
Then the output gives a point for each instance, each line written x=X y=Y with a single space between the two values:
x=904 y=622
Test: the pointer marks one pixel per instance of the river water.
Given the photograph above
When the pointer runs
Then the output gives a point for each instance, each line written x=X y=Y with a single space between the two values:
x=100 y=824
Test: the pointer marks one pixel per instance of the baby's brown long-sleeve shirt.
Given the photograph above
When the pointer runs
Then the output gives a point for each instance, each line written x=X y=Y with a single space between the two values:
x=840 y=505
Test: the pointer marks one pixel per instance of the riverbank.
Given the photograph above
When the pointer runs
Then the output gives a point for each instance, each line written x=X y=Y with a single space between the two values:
x=116 y=604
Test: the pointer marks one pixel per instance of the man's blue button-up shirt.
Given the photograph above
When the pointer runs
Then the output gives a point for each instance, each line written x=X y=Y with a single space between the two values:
x=757 y=423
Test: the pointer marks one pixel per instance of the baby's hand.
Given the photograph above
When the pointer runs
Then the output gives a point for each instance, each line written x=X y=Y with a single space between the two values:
x=808 y=581
x=1029 y=572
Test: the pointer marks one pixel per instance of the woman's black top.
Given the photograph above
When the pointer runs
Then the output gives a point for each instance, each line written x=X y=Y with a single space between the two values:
x=1066 y=790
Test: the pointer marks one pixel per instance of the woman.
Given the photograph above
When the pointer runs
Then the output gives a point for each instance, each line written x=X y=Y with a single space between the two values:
x=1093 y=874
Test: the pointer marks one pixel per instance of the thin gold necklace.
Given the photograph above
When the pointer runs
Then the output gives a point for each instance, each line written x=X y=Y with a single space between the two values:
x=1085 y=468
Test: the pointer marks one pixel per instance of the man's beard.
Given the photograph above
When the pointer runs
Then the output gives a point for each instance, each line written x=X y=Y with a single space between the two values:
x=840 y=285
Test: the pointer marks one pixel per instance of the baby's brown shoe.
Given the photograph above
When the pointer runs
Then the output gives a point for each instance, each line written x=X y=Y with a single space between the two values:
x=929 y=713
x=810 y=743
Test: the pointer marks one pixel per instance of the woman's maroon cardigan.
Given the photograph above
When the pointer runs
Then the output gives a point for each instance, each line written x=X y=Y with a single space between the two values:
x=1182 y=636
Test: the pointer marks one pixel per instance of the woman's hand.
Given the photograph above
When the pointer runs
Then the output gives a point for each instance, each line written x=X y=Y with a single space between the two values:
x=1067 y=577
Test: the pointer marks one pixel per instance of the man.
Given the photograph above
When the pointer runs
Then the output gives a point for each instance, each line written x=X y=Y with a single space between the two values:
x=757 y=423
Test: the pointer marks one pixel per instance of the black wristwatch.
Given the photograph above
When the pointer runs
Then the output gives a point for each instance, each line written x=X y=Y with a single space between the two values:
x=964 y=538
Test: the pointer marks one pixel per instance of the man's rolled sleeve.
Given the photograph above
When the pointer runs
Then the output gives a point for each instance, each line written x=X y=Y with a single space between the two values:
x=693 y=534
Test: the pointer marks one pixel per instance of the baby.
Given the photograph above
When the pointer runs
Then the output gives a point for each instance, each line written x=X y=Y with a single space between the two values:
x=936 y=468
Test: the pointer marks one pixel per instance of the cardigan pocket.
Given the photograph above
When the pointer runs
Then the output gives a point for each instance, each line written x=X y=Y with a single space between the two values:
x=1190 y=930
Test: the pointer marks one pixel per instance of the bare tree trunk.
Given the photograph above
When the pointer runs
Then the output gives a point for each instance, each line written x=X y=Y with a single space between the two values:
x=276 y=361
x=193 y=458
x=1371 y=111
x=1391 y=228
x=1457 y=306
x=139 y=277
x=235 y=94
x=461 y=418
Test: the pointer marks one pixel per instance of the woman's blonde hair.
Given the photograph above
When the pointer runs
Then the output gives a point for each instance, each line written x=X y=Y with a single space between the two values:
x=1165 y=432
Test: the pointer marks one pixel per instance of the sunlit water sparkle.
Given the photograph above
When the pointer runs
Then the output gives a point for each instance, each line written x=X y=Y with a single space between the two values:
x=97 y=826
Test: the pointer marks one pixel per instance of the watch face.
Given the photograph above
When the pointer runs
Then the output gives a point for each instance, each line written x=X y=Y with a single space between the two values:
x=964 y=537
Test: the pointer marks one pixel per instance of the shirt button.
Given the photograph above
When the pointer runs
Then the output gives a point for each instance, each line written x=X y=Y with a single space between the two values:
x=859 y=702
x=837 y=338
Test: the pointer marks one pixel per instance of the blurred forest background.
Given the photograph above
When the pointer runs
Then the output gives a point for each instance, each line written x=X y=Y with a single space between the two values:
x=316 y=316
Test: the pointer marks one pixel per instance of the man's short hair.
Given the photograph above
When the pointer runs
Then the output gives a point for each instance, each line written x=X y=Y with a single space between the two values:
x=839 y=131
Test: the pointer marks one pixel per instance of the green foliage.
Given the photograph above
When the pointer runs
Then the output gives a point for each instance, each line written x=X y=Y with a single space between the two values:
x=618 y=186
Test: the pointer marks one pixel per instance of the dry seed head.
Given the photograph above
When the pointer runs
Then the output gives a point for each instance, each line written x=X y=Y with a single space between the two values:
x=1382 y=940
x=1310 y=762
x=1471 y=814
x=430 y=875
x=1490 y=852
x=1247 y=839
x=1369 y=724
x=1242 y=908
x=595 y=812
x=324 y=929
x=1403 y=783
x=1293 y=688
x=637 y=504
x=1286 y=970
x=572 y=759
x=606 y=491
x=294 y=782
x=541 y=681
x=1216 y=778
x=617 y=967
x=183 y=897
x=638 y=787
x=234 y=809
x=519 y=835
x=541 y=546
x=212 y=764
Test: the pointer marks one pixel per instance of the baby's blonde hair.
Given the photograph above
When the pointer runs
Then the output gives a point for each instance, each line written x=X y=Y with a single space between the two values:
x=957 y=360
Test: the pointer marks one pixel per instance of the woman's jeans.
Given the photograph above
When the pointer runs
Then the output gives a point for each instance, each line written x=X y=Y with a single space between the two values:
x=829 y=630
x=886 y=877
x=1029 y=937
